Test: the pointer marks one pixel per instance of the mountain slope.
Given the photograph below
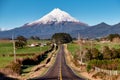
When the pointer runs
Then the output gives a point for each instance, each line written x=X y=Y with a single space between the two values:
x=116 y=28
x=53 y=22
x=60 y=21
x=99 y=30
x=56 y=15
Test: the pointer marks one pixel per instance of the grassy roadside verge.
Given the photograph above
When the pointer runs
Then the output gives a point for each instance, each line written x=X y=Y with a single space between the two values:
x=43 y=67
x=51 y=63
x=70 y=60
x=93 y=73
x=79 y=70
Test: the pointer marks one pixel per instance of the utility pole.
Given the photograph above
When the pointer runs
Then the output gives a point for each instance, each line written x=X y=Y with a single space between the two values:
x=102 y=48
x=80 y=47
x=14 y=48
x=91 y=45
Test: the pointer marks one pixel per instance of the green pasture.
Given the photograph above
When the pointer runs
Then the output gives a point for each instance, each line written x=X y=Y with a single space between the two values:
x=6 y=48
x=74 y=47
x=5 y=60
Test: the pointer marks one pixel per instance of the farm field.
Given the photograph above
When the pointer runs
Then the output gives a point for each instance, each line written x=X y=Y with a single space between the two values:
x=6 y=48
x=74 y=46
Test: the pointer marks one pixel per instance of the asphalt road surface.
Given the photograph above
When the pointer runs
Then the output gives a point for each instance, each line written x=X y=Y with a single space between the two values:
x=60 y=70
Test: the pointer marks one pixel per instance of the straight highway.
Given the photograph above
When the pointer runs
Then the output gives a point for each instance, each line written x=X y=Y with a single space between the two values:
x=60 y=70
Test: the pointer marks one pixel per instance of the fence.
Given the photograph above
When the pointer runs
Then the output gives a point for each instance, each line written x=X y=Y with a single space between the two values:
x=110 y=72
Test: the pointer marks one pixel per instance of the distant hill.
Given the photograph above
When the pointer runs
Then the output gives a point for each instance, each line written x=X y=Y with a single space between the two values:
x=97 y=31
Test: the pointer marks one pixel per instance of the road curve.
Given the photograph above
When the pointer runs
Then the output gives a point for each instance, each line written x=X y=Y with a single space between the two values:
x=60 y=70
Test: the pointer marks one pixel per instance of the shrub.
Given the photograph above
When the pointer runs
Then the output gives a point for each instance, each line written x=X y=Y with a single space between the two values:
x=106 y=64
x=89 y=67
x=15 y=67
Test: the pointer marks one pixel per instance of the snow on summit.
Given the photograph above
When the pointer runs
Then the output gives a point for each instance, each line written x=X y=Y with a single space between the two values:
x=56 y=15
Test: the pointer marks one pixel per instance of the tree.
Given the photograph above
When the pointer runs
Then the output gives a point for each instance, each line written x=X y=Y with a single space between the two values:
x=95 y=53
x=21 y=41
x=112 y=36
x=118 y=51
x=61 y=38
x=115 y=54
x=88 y=55
x=107 y=54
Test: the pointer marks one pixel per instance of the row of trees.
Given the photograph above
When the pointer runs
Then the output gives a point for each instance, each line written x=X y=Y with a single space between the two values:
x=61 y=38
x=106 y=54
x=58 y=38
x=106 y=59
x=111 y=37
x=91 y=54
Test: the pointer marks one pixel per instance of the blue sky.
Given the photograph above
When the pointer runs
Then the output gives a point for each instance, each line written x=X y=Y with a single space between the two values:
x=15 y=13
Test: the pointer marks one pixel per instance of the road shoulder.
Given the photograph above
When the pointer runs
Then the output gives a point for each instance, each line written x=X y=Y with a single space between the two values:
x=77 y=70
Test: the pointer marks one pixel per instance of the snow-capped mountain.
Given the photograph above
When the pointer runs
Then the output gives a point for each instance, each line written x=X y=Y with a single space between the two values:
x=56 y=15
x=54 y=22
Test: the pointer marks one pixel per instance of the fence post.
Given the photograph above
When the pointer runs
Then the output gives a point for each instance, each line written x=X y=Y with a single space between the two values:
x=110 y=72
